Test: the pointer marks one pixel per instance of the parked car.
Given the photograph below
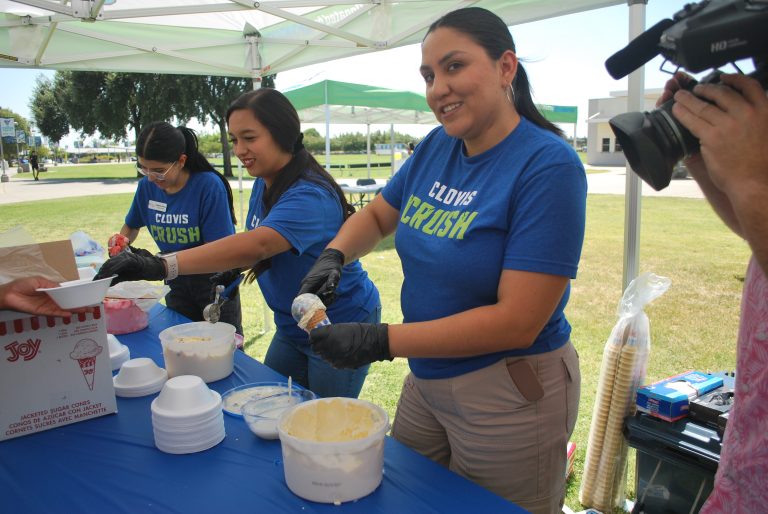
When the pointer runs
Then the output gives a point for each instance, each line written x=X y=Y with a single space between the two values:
x=680 y=171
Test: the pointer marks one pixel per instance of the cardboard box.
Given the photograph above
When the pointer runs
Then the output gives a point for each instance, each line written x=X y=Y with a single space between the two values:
x=53 y=371
x=669 y=399
x=24 y=260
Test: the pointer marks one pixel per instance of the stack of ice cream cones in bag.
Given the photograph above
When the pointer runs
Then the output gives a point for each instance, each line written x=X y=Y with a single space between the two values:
x=622 y=371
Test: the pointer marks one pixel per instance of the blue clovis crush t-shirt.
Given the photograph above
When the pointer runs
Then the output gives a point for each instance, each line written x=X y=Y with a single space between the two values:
x=195 y=215
x=463 y=220
x=308 y=215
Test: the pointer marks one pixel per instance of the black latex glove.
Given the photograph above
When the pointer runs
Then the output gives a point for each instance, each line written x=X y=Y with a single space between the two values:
x=351 y=345
x=324 y=276
x=140 y=251
x=224 y=278
x=132 y=266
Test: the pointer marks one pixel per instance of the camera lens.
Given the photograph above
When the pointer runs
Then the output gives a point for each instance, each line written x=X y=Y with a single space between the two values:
x=653 y=142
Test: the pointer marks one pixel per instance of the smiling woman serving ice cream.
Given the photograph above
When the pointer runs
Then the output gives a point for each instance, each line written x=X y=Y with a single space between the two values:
x=488 y=215
x=295 y=209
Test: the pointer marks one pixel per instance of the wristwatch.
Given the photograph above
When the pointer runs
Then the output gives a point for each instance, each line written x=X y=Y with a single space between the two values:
x=171 y=265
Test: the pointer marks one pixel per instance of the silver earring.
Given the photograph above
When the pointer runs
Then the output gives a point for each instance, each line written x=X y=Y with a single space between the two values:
x=510 y=92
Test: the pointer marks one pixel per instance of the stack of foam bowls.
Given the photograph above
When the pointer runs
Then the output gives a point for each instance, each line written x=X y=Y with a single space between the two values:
x=139 y=377
x=187 y=416
x=333 y=448
x=118 y=352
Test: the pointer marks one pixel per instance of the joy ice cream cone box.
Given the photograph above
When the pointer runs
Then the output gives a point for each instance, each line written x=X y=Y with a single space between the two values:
x=53 y=371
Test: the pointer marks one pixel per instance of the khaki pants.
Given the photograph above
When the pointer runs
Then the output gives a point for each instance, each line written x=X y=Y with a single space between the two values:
x=504 y=427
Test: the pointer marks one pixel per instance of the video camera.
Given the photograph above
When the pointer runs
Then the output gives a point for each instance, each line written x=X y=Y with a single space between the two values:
x=701 y=36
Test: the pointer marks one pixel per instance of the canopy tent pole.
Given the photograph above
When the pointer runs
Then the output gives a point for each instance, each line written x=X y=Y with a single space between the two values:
x=575 y=146
x=392 y=148
x=4 y=177
x=633 y=186
x=253 y=37
x=327 y=130
x=368 y=147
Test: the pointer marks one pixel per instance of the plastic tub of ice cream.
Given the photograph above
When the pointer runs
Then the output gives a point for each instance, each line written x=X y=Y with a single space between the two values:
x=203 y=349
x=127 y=305
x=124 y=316
x=333 y=448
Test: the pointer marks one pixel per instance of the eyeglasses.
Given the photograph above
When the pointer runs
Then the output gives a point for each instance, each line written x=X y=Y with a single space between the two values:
x=154 y=175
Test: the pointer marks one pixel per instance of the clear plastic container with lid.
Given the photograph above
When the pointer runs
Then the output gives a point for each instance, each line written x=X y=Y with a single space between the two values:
x=200 y=348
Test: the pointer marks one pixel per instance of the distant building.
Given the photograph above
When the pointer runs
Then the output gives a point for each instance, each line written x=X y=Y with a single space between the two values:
x=602 y=147
x=386 y=148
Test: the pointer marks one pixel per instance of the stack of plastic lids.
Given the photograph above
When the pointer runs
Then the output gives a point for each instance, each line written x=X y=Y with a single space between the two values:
x=139 y=377
x=118 y=352
x=187 y=416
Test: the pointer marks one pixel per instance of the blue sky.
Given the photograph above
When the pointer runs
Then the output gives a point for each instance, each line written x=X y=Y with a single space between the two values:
x=564 y=58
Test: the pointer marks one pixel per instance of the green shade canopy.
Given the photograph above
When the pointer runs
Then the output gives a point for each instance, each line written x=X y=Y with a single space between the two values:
x=357 y=103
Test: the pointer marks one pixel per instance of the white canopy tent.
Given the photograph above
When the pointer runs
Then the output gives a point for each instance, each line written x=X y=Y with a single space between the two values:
x=242 y=38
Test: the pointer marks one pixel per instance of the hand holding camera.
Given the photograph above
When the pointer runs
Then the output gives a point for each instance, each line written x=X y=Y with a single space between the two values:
x=703 y=35
x=730 y=120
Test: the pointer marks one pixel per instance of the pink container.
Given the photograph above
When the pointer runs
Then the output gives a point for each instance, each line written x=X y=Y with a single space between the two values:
x=124 y=316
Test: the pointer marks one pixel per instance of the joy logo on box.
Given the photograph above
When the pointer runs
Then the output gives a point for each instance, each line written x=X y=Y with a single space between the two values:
x=26 y=351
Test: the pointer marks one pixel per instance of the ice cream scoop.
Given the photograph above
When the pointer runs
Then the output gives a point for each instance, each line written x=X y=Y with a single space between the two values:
x=309 y=312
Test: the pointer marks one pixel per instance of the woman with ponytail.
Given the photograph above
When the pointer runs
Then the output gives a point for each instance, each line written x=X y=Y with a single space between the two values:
x=489 y=218
x=184 y=203
x=295 y=209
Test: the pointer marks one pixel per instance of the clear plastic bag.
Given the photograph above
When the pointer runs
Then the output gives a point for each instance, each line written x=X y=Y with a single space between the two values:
x=82 y=244
x=622 y=371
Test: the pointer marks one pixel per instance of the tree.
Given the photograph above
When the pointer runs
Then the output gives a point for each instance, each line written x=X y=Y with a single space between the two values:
x=209 y=144
x=47 y=111
x=110 y=102
x=209 y=98
x=269 y=81
x=313 y=141
x=21 y=124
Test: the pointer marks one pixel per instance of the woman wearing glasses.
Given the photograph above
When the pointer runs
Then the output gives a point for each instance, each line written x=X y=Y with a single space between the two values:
x=296 y=208
x=183 y=202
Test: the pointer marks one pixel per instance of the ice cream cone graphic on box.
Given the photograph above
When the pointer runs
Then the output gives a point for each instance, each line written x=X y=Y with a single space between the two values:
x=85 y=353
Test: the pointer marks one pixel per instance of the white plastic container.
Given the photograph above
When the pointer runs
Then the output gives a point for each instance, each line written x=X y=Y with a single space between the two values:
x=203 y=349
x=333 y=448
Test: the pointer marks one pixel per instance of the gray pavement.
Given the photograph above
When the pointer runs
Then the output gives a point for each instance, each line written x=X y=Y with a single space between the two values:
x=22 y=188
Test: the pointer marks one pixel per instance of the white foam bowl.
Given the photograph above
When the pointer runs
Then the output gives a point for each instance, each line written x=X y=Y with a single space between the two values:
x=185 y=395
x=139 y=377
x=86 y=273
x=119 y=354
x=79 y=293
x=333 y=448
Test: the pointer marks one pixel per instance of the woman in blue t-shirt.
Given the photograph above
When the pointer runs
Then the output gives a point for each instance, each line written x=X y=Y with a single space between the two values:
x=488 y=215
x=296 y=208
x=183 y=203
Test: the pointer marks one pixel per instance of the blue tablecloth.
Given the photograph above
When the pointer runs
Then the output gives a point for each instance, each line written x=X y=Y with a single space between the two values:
x=110 y=464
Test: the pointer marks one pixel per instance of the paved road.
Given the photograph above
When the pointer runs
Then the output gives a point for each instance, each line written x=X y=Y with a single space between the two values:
x=21 y=188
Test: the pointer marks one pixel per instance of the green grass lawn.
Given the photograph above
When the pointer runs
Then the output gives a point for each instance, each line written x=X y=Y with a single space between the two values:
x=693 y=326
